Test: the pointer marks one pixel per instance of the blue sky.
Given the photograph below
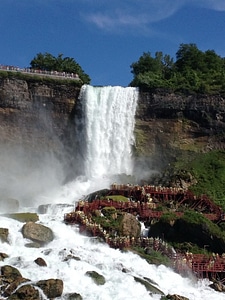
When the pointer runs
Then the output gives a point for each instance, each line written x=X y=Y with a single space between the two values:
x=105 y=37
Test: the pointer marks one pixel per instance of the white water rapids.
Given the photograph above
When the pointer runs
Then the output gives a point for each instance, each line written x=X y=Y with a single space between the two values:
x=108 y=123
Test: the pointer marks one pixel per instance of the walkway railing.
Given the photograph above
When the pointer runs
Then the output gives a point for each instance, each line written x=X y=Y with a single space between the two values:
x=29 y=71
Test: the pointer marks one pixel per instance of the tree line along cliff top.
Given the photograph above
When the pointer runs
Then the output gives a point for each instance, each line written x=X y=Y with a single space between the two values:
x=193 y=71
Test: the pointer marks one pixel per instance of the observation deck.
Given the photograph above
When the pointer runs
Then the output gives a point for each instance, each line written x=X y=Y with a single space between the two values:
x=41 y=73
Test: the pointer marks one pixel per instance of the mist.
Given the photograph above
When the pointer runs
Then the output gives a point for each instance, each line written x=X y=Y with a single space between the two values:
x=24 y=176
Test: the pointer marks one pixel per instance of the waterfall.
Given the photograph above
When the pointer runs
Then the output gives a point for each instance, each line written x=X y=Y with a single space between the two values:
x=107 y=135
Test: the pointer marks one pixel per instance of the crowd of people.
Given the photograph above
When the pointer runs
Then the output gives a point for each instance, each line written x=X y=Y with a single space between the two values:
x=200 y=264
x=116 y=241
x=40 y=72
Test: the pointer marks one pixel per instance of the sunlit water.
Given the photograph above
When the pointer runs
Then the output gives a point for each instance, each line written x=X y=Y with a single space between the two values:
x=102 y=160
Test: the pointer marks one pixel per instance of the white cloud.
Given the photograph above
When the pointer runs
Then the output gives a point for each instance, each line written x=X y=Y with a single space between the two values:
x=132 y=13
x=218 y=5
x=119 y=14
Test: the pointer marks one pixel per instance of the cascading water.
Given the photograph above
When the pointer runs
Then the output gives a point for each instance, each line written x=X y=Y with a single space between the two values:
x=108 y=125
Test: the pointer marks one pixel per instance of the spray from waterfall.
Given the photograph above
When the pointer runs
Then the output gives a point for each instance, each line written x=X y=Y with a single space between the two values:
x=106 y=138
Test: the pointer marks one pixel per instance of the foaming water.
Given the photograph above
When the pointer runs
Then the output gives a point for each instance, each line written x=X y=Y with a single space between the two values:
x=94 y=256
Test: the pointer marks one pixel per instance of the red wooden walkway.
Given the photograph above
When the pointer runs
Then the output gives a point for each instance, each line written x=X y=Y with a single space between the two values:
x=143 y=202
x=203 y=266
x=145 y=210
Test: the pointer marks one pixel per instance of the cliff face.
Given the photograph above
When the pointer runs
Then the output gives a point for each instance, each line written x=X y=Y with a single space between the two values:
x=38 y=114
x=168 y=125
x=34 y=113
x=35 y=122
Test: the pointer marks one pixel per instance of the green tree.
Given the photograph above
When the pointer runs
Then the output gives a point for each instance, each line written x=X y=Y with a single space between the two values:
x=49 y=62
x=152 y=72
x=145 y=63
x=189 y=57
x=193 y=71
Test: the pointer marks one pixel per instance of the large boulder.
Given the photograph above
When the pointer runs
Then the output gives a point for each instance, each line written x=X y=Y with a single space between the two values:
x=10 y=289
x=130 y=226
x=52 y=288
x=10 y=273
x=37 y=233
x=10 y=279
x=25 y=292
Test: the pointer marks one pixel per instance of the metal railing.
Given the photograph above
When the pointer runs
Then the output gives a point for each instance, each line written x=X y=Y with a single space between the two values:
x=30 y=71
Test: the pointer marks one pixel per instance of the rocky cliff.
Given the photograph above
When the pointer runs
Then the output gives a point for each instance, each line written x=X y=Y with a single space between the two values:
x=169 y=125
x=38 y=114
x=35 y=123
x=32 y=111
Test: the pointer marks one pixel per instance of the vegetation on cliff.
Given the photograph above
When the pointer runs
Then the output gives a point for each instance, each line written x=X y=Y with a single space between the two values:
x=208 y=174
x=48 y=62
x=193 y=71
